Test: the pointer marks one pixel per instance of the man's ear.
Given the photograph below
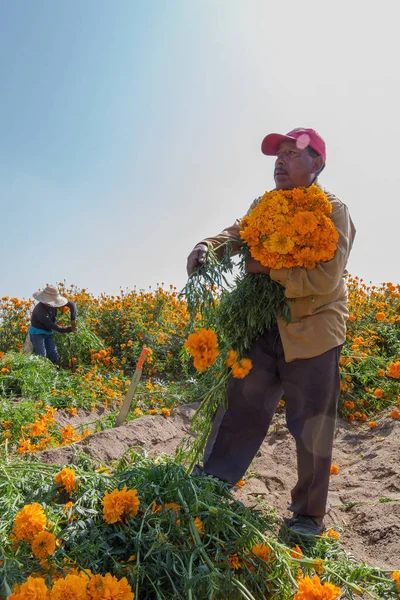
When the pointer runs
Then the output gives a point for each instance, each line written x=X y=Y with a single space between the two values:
x=318 y=164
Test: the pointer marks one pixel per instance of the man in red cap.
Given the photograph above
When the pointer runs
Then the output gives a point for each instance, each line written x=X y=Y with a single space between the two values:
x=298 y=361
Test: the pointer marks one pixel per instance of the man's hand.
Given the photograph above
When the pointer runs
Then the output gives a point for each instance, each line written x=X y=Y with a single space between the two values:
x=254 y=266
x=73 y=325
x=196 y=258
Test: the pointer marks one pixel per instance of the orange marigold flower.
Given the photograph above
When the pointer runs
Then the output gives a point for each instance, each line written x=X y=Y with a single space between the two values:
x=172 y=506
x=304 y=222
x=280 y=243
x=156 y=508
x=331 y=533
x=234 y=561
x=312 y=589
x=394 y=369
x=67 y=432
x=262 y=551
x=396 y=576
x=67 y=479
x=296 y=552
x=203 y=346
x=120 y=504
x=108 y=586
x=71 y=587
x=37 y=428
x=242 y=368
x=372 y=424
x=67 y=506
x=232 y=358
x=378 y=393
x=334 y=469
x=318 y=565
x=43 y=544
x=395 y=414
x=381 y=372
x=241 y=483
x=28 y=522
x=166 y=412
x=199 y=525
x=349 y=404
x=380 y=316
x=34 y=588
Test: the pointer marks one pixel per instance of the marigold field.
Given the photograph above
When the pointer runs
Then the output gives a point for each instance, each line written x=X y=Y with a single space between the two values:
x=141 y=528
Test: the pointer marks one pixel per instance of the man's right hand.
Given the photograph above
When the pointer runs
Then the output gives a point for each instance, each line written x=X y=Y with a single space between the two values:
x=196 y=258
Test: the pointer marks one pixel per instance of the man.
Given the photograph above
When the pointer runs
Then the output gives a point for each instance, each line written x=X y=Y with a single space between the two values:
x=43 y=321
x=298 y=361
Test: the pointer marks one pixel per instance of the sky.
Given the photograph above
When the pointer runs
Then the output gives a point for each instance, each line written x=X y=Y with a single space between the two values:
x=131 y=130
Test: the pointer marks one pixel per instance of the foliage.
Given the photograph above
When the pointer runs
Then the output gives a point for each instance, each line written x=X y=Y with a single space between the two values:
x=369 y=381
x=189 y=540
x=117 y=325
x=100 y=372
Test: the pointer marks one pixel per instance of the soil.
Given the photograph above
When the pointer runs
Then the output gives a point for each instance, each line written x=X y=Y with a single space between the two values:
x=364 y=496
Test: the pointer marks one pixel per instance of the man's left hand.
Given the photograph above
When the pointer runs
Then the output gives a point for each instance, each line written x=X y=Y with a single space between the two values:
x=254 y=266
x=73 y=325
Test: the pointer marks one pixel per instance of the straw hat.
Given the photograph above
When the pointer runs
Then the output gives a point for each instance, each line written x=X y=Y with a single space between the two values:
x=50 y=296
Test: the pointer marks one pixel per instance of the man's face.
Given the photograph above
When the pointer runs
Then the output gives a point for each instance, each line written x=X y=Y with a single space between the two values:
x=295 y=167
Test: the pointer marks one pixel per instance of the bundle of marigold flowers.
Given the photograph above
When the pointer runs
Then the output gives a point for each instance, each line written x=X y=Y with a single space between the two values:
x=291 y=228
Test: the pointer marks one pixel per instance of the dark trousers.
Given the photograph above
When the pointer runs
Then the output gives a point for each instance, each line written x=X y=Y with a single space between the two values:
x=311 y=389
x=45 y=345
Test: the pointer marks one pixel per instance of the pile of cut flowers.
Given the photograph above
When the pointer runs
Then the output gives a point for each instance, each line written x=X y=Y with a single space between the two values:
x=146 y=530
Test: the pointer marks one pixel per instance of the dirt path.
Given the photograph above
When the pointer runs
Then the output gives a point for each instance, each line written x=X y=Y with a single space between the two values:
x=369 y=472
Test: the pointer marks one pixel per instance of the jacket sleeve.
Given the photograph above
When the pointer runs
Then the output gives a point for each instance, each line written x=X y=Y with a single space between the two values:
x=72 y=308
x=230 y=234
x=325 y=277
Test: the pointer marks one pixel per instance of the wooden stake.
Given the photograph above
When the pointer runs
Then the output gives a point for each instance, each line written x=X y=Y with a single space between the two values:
x=132 y=388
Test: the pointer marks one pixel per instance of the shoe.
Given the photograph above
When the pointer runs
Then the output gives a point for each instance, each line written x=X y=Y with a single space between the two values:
x=305 y=525
x=302 y=530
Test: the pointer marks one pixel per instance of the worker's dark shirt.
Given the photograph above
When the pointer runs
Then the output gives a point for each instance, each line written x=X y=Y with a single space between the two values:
x=44 y=317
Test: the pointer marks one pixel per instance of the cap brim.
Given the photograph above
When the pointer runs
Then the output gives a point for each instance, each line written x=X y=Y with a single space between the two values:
x=270 y=144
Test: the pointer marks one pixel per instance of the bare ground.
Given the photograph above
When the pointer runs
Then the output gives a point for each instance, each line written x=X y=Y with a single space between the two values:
x=364 y=496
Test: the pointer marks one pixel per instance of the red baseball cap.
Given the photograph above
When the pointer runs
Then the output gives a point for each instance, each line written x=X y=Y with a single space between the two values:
x=303 y=138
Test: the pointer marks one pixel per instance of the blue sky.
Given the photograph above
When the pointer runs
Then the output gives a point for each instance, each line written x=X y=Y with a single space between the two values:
x=130 y=130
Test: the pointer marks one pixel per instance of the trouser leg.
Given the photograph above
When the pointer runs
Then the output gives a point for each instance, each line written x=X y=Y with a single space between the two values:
x=311 y=390
x=239 y=431
x=38 y=343
x=51 y=348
